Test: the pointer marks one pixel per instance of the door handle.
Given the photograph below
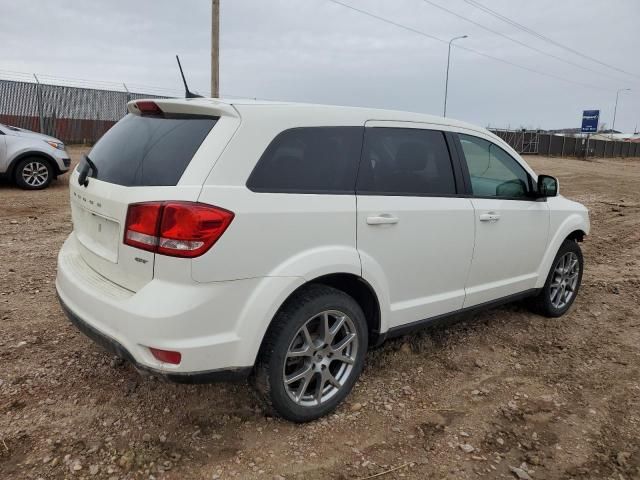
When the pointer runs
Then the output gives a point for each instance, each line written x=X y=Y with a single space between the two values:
x=382 y=219
x=489 y=217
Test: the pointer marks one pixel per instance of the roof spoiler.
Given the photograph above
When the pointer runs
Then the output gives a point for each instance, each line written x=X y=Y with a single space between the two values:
x=201 y=106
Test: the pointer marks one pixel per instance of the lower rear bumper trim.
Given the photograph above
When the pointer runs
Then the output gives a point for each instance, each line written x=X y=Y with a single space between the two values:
x=114 y=347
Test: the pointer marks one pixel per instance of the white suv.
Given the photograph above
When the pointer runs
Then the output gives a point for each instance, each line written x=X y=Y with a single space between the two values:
x=218 y=240
x=31 y=159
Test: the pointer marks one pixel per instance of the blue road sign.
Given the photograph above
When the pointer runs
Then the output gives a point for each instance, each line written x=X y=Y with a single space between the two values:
x=590 y=121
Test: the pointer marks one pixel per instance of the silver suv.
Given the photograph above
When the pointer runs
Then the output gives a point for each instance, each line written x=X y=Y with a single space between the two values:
x=31 y=159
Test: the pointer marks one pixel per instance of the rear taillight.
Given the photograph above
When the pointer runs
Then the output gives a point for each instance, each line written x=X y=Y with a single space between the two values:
x=178 y=229
x=141 y=228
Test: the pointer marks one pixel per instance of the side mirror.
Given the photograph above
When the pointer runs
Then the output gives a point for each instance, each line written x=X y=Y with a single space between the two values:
x=512 y=188
x=548 y=186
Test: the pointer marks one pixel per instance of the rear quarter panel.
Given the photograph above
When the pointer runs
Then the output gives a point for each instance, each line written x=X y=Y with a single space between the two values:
x=276 y=234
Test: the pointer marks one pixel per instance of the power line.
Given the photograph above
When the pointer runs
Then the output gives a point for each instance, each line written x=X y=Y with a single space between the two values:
x=543 y=37
x=399 y=25
x=530 y=47
x=471 y=50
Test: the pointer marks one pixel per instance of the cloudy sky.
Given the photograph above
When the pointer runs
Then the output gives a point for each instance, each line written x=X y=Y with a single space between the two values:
x=318 y=51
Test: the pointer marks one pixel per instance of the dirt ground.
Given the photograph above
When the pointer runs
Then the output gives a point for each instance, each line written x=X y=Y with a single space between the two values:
x=504 y=394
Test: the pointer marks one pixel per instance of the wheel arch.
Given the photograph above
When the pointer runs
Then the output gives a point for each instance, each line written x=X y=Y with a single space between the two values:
x=574 y=227
x=48 y=158
x=353 y=285
x=362 y=292
x=577 y=235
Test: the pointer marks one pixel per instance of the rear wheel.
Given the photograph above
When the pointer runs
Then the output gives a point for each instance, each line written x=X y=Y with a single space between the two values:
x=563 y=281
x=33 y=173
x=312 y=355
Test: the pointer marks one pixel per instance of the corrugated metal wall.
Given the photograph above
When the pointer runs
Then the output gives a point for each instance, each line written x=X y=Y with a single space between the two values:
x=528 y=142
x=72 y=114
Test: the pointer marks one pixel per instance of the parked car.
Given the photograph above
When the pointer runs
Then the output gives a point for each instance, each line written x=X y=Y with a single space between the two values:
x=31 y=159
x=279 y=242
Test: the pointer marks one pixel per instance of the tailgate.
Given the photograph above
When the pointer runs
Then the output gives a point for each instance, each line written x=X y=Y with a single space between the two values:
x=98 y=212
x=140 y=159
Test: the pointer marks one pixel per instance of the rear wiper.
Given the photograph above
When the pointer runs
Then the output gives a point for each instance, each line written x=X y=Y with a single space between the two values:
x=87 y=167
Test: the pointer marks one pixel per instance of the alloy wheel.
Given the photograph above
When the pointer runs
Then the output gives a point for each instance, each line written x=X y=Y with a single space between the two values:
x=320 y=358
x=35 y=174
x=564 y=280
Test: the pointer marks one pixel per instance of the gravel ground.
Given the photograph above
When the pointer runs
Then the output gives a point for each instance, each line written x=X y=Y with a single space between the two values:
x=503 y=394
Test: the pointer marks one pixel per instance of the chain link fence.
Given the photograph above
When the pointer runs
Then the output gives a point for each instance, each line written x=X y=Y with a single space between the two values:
x=71 y=114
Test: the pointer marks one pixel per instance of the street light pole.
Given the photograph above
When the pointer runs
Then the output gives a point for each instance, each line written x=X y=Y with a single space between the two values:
x=446 y=82
x=615 y=109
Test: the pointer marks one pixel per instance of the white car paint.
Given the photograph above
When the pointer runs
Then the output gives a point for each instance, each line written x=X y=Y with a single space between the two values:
x=507 y=252
x=215 y=309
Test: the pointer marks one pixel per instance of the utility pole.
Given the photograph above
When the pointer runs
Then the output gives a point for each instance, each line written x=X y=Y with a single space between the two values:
x=446 y=82
x=215 y=48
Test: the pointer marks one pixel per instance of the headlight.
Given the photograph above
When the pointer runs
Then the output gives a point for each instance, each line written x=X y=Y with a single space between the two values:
x=58 y=145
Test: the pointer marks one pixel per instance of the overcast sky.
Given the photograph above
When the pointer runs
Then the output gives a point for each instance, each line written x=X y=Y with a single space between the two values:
x=317 y=51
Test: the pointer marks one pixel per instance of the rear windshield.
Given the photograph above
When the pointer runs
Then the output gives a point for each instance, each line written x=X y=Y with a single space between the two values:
x=148 y=151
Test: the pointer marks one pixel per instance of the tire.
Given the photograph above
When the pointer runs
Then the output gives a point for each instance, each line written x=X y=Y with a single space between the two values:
x=554 y=301
x=330 y=364
x=33 y=173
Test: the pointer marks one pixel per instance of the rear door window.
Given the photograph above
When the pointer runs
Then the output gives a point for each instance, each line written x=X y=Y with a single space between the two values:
x=405 y=161
x=309 y=160
x=148 y=151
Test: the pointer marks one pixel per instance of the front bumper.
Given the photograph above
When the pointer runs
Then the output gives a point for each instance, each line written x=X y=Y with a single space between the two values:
x=63 y=161
x=112 y=346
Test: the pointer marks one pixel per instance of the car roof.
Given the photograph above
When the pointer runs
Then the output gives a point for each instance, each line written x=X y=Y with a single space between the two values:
x=228 y=105
x=316 y=114
x=369 y=113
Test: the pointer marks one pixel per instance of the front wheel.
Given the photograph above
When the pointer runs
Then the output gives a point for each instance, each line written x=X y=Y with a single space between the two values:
x=33 y=173
x=312 y=354
x=563 y=282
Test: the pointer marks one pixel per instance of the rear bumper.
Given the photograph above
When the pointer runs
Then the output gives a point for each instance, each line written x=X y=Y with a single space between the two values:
x=217 y=327
x=112 y=346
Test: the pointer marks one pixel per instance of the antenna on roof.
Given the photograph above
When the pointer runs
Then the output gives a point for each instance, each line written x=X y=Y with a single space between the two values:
x=187 y=92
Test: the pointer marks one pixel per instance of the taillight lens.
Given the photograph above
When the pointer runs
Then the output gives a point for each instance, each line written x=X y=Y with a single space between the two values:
x=143 y=221
x=166 y=356
x=147 y=107
x=178 y=229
